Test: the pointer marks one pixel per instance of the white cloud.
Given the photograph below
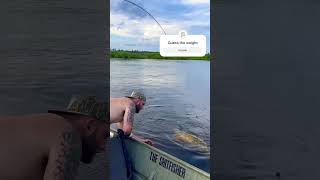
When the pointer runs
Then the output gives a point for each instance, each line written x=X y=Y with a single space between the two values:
x=122 y=25
x=195 y=2
x=198 y=13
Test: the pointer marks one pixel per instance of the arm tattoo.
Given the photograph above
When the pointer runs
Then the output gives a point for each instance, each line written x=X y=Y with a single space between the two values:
x=130 y=113
x=68 y=155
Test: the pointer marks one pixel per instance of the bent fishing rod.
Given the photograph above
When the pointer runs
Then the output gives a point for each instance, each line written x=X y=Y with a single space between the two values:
x=147 y=13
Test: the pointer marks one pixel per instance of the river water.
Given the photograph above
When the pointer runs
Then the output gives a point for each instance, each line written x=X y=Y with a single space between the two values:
x=49 y=51
x=177 y=94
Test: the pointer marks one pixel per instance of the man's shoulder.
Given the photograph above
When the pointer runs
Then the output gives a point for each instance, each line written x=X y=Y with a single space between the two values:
x=65 y=153
x=56 y=122
x=125 y=101
x=45 y=121
x=44 y=130
x=55 y=126
x=129 y=103
x=60 y=124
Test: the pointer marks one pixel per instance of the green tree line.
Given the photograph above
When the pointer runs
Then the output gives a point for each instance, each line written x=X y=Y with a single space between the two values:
x=134 y=54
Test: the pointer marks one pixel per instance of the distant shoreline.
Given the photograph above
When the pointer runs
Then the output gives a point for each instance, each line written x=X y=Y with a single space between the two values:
x=125 y=54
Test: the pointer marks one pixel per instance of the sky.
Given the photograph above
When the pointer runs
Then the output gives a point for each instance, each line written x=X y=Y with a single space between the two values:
x=133 y=29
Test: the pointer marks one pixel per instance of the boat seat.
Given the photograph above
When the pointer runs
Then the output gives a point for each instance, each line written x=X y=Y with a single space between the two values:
x=117 y=166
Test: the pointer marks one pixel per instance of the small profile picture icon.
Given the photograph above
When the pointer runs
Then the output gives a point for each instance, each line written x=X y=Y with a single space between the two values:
x=183 y=34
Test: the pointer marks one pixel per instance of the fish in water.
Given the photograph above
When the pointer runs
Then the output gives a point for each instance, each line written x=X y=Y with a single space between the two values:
x=192 y=140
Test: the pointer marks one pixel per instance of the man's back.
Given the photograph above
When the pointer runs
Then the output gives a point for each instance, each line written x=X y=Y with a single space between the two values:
x=25 y=144
x=117 y=108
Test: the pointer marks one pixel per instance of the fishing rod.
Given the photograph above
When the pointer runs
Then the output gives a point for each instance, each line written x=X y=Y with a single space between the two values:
x=147 y=13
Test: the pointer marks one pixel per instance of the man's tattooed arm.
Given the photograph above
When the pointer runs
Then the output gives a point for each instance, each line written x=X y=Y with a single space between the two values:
x=64 y=157
x=128 y=119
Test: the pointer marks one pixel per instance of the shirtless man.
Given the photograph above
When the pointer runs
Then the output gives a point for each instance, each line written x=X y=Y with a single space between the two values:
x=50 y=146
x=122 y=112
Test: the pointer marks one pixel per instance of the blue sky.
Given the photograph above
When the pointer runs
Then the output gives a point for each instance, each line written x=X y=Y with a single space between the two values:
x=133 y=29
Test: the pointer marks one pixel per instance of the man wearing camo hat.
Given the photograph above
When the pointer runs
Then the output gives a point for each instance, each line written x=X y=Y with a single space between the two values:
x=122 y=112
x=51 y=145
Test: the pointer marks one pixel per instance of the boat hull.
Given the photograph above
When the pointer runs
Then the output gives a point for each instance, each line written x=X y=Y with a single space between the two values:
x=149 y=162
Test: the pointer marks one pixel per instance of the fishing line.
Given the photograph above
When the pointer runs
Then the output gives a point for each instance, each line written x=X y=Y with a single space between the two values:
x=147 y=13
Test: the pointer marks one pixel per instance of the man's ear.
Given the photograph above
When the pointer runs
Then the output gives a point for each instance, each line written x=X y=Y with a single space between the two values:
x=90 y=127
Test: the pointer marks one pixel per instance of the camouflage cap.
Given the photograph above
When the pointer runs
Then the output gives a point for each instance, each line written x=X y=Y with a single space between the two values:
x=86 y=105
x=138 y=95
